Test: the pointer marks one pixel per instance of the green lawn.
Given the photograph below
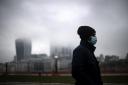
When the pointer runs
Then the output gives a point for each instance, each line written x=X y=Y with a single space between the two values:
x=58 y=79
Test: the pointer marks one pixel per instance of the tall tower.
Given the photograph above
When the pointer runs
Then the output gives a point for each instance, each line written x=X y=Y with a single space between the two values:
x=23 y=48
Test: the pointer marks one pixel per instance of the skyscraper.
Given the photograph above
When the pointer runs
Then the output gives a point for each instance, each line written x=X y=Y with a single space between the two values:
x=23 y=48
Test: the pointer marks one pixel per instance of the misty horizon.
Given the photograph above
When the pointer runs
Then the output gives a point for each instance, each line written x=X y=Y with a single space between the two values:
x=48 y=22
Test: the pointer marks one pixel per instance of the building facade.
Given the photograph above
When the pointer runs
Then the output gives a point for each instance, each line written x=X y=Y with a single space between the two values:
x=23 y=48
x=64 y=57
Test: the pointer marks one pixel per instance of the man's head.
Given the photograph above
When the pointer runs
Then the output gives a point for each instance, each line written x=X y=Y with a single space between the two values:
x=86 y=33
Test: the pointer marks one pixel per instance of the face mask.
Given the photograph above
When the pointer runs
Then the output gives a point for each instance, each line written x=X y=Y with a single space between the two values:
x=93 y=40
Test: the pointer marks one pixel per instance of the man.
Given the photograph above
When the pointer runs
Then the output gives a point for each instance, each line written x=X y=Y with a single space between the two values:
x=85 y=68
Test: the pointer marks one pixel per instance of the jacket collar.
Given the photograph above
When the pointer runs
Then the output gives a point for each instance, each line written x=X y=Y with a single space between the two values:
x=88 y=45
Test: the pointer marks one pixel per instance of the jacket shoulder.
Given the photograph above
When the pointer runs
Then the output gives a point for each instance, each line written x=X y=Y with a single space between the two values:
x=80 y=52
x=80 y=49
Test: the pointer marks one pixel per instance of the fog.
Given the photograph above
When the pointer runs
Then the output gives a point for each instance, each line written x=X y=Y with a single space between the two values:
x=48 y=22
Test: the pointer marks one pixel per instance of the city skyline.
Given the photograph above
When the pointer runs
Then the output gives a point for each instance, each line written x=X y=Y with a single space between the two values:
x=48 y=22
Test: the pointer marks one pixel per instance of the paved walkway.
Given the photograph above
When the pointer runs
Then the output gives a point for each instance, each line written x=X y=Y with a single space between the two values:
x=30 y=83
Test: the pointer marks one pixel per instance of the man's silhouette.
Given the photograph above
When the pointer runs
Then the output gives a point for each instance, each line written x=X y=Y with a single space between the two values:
x=85 y=68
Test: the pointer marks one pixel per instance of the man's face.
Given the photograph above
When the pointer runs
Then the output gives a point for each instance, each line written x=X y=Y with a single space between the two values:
x=93 y=34
x=92 y=39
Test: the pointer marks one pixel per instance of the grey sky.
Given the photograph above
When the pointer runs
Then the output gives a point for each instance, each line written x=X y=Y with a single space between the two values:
x=56 y=21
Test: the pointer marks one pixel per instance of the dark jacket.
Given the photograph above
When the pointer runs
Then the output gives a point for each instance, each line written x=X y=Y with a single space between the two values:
x=85 y=68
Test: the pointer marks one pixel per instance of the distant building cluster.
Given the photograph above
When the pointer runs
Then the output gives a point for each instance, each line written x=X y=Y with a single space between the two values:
x=59 y=60
x=107 y=58
x=113 y=64
x=24 y=61
x=64 y=54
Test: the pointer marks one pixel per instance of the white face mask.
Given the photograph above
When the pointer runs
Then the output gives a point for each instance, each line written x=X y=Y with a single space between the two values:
x=93 y=40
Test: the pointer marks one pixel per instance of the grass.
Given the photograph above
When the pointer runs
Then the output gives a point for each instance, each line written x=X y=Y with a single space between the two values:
x=115 y=79
x=58 y=79
x=43 y=79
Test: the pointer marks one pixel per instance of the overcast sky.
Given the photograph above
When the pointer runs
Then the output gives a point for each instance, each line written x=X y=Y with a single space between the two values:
x=56 y=21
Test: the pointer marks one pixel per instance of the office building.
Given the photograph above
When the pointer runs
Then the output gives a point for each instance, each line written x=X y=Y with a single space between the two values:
x=23 y=48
